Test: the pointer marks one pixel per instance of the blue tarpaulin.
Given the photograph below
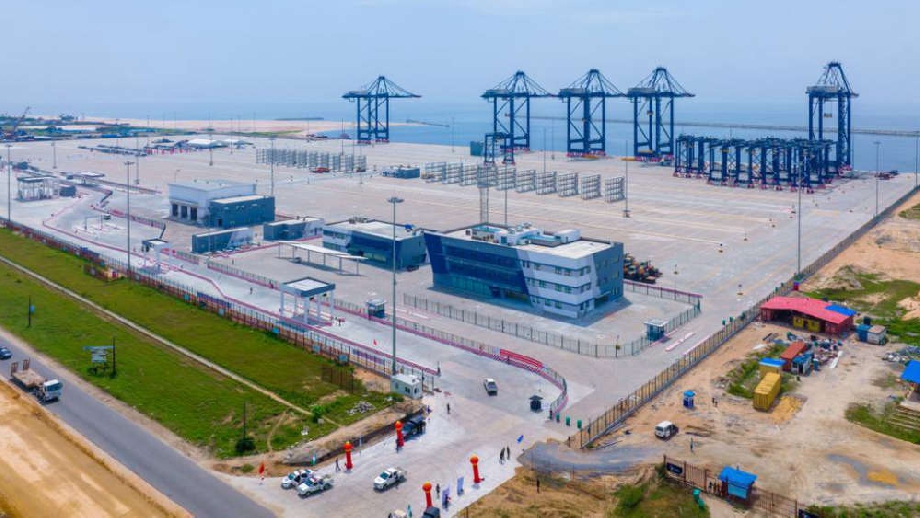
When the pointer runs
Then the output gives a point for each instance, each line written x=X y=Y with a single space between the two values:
x=912 y=372
x=739 y=482
x=842 y=310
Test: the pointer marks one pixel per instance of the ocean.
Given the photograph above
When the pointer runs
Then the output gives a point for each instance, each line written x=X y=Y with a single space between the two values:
x=458 y=123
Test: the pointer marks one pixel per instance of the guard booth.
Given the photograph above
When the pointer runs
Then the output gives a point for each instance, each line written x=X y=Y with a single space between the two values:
x=689 y=399
x=376 y=308
x=654 y=329
x=407 y=385
x=536 y=403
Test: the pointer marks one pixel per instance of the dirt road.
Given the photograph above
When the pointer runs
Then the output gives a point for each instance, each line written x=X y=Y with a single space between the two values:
x=46 y=471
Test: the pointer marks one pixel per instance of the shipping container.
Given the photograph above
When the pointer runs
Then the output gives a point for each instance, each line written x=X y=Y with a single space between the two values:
x=794 y=349
x=766 y=391
x=767 y=365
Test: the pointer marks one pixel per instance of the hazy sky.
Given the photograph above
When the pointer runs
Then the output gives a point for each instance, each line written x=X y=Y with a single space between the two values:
x=313 y=51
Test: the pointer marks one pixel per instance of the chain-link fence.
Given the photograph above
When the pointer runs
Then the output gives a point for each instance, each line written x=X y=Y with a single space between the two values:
x=575 y=345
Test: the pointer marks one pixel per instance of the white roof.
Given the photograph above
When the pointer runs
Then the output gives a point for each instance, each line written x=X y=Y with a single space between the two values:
x=324 y=251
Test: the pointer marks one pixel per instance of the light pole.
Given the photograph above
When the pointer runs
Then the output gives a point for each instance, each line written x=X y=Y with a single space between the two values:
x=626 y=181
x=54 y=154
x=878 y=148
x=395 y=200
x=137 y=165
x=128 y=164
x=9 y=184
x=271 y=162
x=916 y=160
x=798 y=248
x=210 y=145
x=451 y=134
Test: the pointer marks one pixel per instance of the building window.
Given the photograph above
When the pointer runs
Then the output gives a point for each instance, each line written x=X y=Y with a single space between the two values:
x=558 y=305
x=568 y=289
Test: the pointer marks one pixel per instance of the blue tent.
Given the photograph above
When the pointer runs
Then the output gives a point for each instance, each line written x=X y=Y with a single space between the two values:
x=911 y=373
x=739 y=482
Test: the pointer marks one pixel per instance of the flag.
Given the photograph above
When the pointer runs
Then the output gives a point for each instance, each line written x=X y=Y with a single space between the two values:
x=262 y=468
x=520 y=439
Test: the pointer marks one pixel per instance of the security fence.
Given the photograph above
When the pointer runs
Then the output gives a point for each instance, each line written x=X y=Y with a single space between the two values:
x=576 y=345
x=625 y=407
x=310 y=339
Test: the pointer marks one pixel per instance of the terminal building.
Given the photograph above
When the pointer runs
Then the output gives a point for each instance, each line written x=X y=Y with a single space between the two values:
x=373 y=240
x=220 y=204
x=560 y=273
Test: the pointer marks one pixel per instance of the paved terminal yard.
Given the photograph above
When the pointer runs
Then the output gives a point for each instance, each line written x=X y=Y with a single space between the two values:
x=731 y=245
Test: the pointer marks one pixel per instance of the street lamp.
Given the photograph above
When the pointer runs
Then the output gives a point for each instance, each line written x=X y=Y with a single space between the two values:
x=128 y=165
x=395 y=200
x=54 y=154
x=626 y=181
x=878 y=147
x=137 y=166
x=9 y=184
x=271 y=162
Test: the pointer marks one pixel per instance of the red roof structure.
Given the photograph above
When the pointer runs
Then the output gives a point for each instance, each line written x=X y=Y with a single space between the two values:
x=811 y=307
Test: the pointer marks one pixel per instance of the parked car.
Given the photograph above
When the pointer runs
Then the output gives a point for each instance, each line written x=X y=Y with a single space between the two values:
x=665 y=430
x=390 y=477
x=490 y=386
x=5 y=353
x=294 y=478
x=314 y=484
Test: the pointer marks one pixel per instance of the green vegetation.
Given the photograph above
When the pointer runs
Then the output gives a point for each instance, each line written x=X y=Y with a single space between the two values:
x=293 y=374
x=743 y=379
x=911 y=213
x=896 y=509
x=862 y=413
x=879 y=298
x=194 y=402
x=659 y=498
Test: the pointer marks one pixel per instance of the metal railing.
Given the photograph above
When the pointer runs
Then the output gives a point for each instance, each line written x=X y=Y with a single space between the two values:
x=575 y=345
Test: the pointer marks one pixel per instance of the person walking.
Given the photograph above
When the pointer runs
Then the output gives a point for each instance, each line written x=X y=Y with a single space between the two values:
x=437 y=489
x=448 y=408
x=691 y=445
x=501 y=456
x=337 y=468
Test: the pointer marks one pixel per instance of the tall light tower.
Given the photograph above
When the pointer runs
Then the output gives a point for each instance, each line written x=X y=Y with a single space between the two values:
x=128 y=164
x=626 y=182
x=395 y=200
x=271 y=162
x=878 y=148
x=9 y=184
x=137 y=165
x=54 y=154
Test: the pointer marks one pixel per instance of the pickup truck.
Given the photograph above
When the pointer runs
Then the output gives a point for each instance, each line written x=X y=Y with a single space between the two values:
x=389 y=478
x=314 y=484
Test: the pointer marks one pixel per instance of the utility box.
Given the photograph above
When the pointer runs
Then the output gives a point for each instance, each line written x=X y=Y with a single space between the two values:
x=406 y=385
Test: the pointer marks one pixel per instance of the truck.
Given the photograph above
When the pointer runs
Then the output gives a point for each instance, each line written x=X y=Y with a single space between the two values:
x=44 y=389
x=314 y=484
x=389 y=478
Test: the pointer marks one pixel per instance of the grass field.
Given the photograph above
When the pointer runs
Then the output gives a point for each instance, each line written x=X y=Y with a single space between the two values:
x=743 y=379
x=879 y=298
x=196 y=403
x=865 y=415
x=293 y=374
x=873 y=510
x=911 y=213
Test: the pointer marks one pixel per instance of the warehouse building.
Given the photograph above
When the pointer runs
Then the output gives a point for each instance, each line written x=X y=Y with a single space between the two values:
x=373 y=240
x=560 y=273
x=219 y=240
x=812 y=315
x=219 y=203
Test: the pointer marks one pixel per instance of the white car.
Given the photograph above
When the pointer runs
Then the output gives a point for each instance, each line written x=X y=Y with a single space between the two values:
x=314 y=484
x=294 y=478
x=389 y=477
x=490 y=386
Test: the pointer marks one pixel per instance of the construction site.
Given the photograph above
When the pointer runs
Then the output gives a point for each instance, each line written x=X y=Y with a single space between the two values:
x=591 y=282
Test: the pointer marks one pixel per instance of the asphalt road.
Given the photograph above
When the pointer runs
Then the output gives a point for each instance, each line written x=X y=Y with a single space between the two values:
x=173 y=474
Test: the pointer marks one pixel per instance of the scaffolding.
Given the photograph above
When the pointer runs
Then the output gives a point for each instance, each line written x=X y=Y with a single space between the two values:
x=454 y=173
x=506 y=178
x=312 y=160
x=546 y=183
x=525 y=181
x=614 y=189
x=469 y=174
x=567 y=184
x=591 y=187
x=435 y=172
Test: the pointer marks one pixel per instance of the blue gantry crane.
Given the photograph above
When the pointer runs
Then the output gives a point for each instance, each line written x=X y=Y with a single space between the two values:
x=511 y=115
x=832 y=86
x=371 y=99
x=653 y=114
x=586 y=101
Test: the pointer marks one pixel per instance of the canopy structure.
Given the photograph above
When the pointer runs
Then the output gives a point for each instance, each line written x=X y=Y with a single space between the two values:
x=739 y=482
x=313 y=251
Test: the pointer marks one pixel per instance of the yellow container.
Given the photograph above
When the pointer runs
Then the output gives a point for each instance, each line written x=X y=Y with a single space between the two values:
x=766 y=369
x=798 y=322
x=813 y=325
x=766 y=391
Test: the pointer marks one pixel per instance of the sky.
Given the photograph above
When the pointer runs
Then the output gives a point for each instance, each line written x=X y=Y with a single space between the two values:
x=313 y=51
